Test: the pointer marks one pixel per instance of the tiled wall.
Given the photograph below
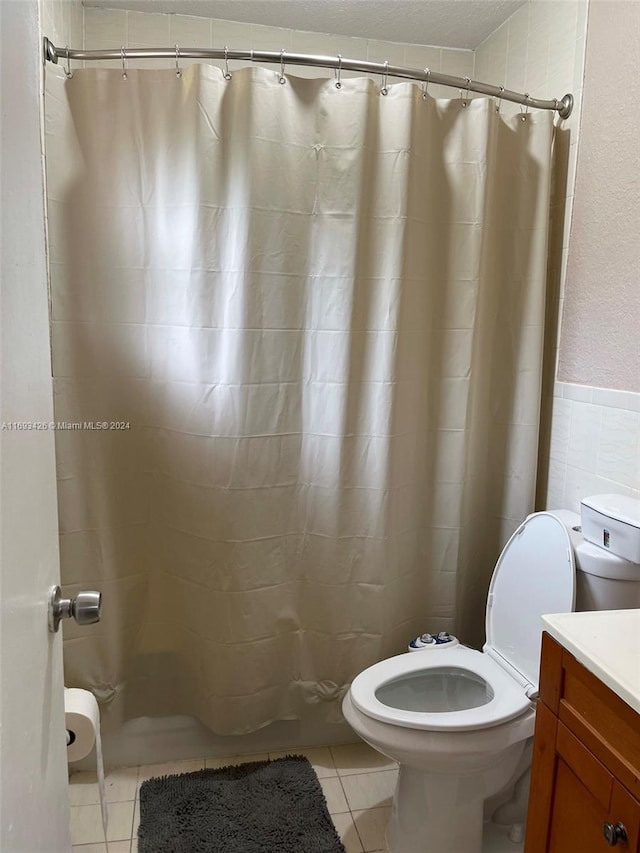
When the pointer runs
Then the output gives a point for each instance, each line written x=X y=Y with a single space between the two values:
x=593 y=446
x=62 y=21
x=113 y=28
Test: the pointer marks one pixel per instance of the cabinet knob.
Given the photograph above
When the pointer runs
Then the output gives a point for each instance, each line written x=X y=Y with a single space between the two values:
x=614 y=833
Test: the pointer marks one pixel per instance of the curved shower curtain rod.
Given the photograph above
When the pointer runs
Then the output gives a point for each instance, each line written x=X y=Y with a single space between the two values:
x=563 y=107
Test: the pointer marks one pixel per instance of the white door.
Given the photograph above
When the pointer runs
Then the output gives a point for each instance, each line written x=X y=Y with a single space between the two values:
x=34 y=815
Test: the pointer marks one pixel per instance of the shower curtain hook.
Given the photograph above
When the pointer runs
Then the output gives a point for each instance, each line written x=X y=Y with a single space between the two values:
x=178 y=71
x=338 y=72
x=499 y=104
x=384 y=90
x=68 y=73
x=425 y=85
x=282 y=79
x=123 y=56
x=465 y=100
x=523 y=115
x=225 y=73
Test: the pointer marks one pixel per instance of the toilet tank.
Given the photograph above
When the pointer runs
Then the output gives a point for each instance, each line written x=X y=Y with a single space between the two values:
x=608 y=556
x=604 y=581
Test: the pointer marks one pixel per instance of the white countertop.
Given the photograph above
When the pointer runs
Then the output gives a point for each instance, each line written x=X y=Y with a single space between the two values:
x=607 y=643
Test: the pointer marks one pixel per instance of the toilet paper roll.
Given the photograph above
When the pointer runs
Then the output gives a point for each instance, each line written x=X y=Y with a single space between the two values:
x=82 y=719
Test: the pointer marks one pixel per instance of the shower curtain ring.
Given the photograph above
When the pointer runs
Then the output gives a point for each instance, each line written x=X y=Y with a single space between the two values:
x=282 y=79
x=178 y=71
x=338 y=72
x=499 y=104
x=465 y=100
x=123 y=56
x=523 y=115
x=425 y=85
x=225 y=73
x=384 y=90
x=68 y=73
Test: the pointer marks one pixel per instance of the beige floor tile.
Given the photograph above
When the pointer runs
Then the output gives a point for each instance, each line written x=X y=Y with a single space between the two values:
x=114 y=847
x=347 y=831
x=236 y=759
x=371 y=825
x=148 y=771
x=134 y=844
x=136 y=821
x=86 y=823
x=352 y=758
x=120 y=786
x=334 y=795
x=369 y=790
x=318 y=756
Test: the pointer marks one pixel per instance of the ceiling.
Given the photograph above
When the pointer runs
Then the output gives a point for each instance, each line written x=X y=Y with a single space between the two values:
x=450 y=23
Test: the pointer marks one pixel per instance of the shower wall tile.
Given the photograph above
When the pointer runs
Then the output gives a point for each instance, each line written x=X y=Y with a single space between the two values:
x=229 y=34
x=146 y=29
x=271 y=38
x=108 y=28
x=459 y=63
x=189 y=32
x=425 y=56
x=105 y=28
x=63 y=22
x=385 y=51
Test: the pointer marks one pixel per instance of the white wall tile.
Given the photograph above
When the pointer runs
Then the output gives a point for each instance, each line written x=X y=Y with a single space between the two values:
x=617 y=450
x=187 y=31
x=459 y=63
x=601 y=452
x=560 y=430
x=584 y=433
x=271 y=38
x=104 y=28
x=231 y=34
x=385 y=51
x=423 y=56
x=580 y=393
x=146 y=29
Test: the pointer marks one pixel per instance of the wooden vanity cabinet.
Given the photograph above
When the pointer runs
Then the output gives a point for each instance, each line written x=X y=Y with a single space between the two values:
x=585 y=776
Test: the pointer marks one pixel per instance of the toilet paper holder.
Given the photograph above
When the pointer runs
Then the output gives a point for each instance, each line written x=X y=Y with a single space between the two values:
x=85 y=607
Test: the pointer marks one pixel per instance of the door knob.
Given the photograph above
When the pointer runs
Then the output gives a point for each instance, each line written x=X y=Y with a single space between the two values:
x=85 y=608
x=614 y=833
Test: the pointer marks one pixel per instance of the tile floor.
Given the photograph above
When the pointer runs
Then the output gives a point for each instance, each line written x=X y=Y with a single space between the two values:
x=357 y=782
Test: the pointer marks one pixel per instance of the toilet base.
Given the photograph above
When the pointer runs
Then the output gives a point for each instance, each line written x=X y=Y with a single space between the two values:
x=432 y=816
x=434 y=813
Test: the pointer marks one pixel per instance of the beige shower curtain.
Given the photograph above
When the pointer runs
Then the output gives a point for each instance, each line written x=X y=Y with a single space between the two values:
x=310 y=323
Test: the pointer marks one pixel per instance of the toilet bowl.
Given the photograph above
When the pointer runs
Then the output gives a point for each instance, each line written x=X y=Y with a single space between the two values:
x=458 y=720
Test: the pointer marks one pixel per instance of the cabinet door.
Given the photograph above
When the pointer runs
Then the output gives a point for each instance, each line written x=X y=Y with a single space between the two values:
x=578 y=817
x=587 y=798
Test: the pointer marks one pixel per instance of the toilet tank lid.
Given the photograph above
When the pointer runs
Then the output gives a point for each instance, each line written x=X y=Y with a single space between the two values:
x=617 y=507
x=535 y=575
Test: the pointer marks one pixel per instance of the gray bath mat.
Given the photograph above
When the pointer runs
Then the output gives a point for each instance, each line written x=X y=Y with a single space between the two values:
x=261 y=807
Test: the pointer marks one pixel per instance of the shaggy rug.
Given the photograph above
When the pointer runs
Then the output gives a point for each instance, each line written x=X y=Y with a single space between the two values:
x=261 y=807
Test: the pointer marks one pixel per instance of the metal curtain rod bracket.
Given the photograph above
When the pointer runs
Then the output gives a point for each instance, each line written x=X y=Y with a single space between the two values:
x=563 y=107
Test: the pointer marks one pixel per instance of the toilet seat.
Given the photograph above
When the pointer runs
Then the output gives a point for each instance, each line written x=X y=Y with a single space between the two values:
x=535 y=574
x=509 y=698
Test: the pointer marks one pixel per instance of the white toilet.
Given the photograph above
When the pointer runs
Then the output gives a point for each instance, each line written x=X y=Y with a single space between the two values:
x=458 y=720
